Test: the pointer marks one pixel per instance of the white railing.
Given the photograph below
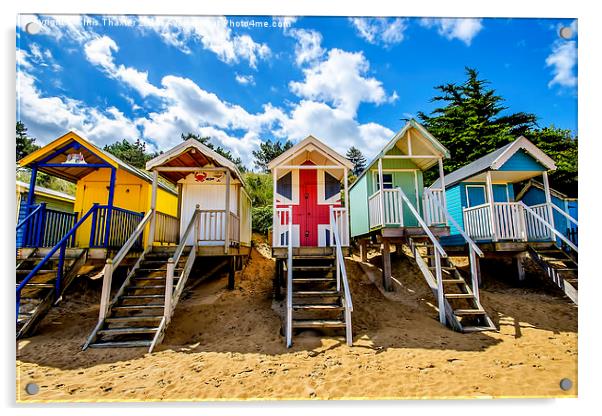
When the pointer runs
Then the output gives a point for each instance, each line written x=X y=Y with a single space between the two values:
x=342 y=274
x=234 y=228
x=342 y=225
x=536 y=217
x=438 y=253
x=433 y=207
x=212 y=225
x=535 y=229
x=374 y=209
x=509 y=221
x=389 y=204
x=172 y=296
x=280 y=233
x=287 y=215
x=477 y=222
x=167 y=228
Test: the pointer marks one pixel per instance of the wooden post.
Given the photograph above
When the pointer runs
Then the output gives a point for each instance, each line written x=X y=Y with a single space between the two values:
x=275 y=230
x=382 y=194
x=546 y=187
x=364 y=250
x=475 y=273
x=386 y=265
x=440 y=294
x=169 y=288
x=110 y=207
x=30 y=201
x=106 y=290
x=520 y=269
x=492 y=216
x=227 y=219
x=443 y=197
x=231 y=272
x=153 y=206
x=345 y=237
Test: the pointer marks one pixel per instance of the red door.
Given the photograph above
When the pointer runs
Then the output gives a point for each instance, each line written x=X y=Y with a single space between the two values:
x=306 y=211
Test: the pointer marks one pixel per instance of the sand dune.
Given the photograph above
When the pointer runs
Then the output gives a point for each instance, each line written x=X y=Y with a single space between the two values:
x=226 y=345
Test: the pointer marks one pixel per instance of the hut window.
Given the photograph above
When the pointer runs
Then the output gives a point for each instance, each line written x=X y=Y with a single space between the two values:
x=284 y=186
x=387 y=181
x=332 y=186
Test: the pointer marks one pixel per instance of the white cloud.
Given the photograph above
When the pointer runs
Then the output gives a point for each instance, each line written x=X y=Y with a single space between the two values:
x=23 y=59
x=464 y=29
x=245 y=79
x=99 y=52
x=212 y=32
x=563 y=60
x=308 y=47
x=340 y=80
x=375 y=30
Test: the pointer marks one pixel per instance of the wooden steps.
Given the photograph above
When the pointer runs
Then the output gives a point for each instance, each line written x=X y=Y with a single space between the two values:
x=463 y=311
x=560 y=266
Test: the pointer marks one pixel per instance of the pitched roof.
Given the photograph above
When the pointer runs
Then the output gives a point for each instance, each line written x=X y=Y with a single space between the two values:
x=23 y=187
x=169 y=158
x=311 y=140
x=495 y=160
x=92 y=151
x=536 y=184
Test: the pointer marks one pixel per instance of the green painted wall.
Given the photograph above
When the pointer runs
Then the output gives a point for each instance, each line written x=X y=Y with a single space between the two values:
x=358 y=207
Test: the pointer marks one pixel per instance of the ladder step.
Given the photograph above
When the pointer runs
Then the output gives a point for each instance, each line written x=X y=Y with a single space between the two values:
x=312 y=268
x=459 y=295
x=449 y=268
x=37 y=285
x=127 y=331
x=317 y=306
x=478 y=328
x=161 y=269
x=316 y=293
x=566 y=269
x=313 y=279
x=43 y=271
x=465 y=312
x=145 y=287
x=143 y=278
x=121 y=344
x=318 y=323
x=125 y=297
x=460 y=281
x=116 y=319
x=300 y=257
x=130 y=307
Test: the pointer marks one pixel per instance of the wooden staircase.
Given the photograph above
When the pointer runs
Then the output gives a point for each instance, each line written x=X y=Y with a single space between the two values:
x=463 y=310
x=559 y=266
x=39 y=294
x=136 y=315
x=316 y=301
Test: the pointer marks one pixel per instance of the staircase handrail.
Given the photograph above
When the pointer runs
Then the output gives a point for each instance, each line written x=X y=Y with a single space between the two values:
x=28 y=217
x=62 y=245
x=340 y=260
x=548 y=226
x=570 y=218
x=289 y=278
x=425 y=227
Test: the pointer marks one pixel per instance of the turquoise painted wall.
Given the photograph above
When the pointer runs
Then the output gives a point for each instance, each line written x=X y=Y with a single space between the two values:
x=522 y=161
x=358 y=207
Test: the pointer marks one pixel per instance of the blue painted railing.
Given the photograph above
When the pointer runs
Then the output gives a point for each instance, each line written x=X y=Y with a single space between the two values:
x=123 y=224
x=44 y=227
x=61 y=246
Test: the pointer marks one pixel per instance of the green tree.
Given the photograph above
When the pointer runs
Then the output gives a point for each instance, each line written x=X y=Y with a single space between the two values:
x=472 y=122
x=268 y=151
x=219 y=150
x=356 y=157
x=25 y=144
x=561 y=146
x=133 y=153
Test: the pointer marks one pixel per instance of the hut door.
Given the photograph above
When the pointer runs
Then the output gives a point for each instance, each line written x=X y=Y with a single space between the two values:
x=308 y=200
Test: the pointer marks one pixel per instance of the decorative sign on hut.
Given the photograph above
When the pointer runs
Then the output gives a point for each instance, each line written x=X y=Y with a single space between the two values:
x=75 y=158
x=216 y=177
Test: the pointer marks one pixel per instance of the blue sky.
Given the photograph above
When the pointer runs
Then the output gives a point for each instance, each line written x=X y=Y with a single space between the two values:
x=346 y=81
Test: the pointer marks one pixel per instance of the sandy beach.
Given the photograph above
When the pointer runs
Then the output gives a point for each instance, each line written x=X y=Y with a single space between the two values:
x=226 y=345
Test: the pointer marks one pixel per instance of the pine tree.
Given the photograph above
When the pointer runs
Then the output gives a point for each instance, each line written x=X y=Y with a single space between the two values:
x=25 y=144
x=356 y=157
x=268 y=151
x=472 y=121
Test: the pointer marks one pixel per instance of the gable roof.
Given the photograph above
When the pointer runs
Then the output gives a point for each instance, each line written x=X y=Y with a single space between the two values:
x=436 y=144
x=93 y=154
x=181 y=155
x=495 y=160
x=532 y=183
x=23 y=187
x=309 y=141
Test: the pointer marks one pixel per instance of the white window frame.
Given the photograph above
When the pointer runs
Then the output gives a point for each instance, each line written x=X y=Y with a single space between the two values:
x=282 y=200
x=375 y=180
x=475 y=186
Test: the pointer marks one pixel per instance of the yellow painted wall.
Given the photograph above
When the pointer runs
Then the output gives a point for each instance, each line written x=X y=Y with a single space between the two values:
x=131 y=193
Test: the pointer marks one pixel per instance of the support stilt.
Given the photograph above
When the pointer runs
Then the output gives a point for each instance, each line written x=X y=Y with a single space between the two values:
x=231 y=272
x=364 y=250
x=386 y=265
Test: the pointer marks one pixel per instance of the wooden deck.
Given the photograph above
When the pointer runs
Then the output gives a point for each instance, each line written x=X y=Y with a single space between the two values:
x=501 y=248
x=281 y=252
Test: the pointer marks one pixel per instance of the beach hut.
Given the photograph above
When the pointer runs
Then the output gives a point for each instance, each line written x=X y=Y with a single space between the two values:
x=213 y=219
x=533 y=194
x=310 y=236
x=480 y=197
x=110 y=201
x=52 y=200
x=389 y=207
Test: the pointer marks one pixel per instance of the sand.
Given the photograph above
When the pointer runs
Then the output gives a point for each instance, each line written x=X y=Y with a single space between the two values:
x=226 y=345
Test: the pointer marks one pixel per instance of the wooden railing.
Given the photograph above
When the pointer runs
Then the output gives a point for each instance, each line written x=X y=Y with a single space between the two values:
x=433 y=207
x=212 y=225
x=535 y=229
x=234 y=228
x=44 y=227
x=536 y=217
x=389 y=205
x=341 y=222
x=286 y=217
x=282 y=233
x=509 y=221
x=167 y=228
x=375 y=210
x=477 y=222
x=123 y=223
x=342 y=271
